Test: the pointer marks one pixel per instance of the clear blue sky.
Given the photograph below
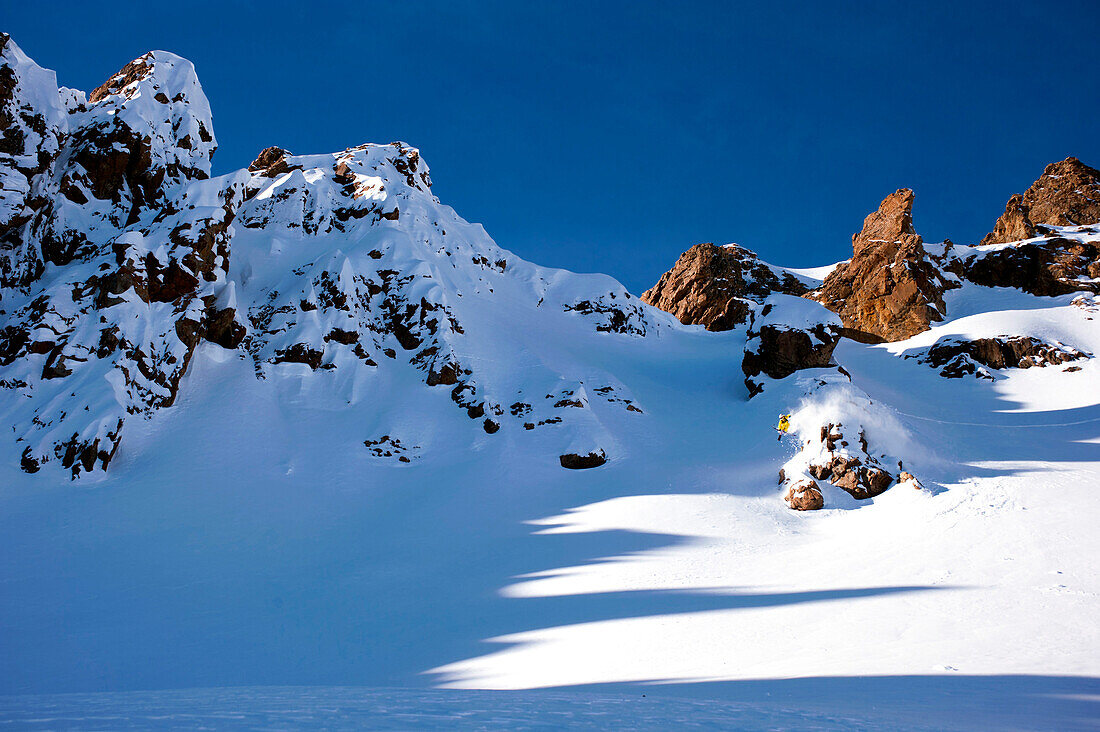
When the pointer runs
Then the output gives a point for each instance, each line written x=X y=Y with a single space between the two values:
x=610 y=136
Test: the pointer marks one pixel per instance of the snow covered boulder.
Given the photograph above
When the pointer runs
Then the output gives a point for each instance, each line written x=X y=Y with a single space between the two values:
x=790 y=334
x=804 y=495
x=960 y=357
x=1065 y=260
x=845 y=441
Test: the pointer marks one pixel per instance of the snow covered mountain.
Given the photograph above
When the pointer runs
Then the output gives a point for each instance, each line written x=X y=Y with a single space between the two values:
x=302 y=424
x=337 y=271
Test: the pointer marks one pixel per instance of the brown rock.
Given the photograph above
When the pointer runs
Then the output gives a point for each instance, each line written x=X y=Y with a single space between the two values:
x=906 y=477
x=572 y=461
x=782 y=351
x=959 y=357
x=713 y=286
x=1066 y=194
x=1048 y=267
x=136 y=70
x=777 y=349
x=805 y=495
x=889 y=290
x=1014 y=224
x=272 y=162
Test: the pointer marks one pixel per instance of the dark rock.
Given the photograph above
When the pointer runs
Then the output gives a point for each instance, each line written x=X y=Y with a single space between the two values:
x=300 y=353
x=777 y=349
x=1047 y=267
x=959 y=357
x=572 y=461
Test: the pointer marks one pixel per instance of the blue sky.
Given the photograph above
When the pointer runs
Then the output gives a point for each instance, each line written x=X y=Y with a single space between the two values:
x=611 y=136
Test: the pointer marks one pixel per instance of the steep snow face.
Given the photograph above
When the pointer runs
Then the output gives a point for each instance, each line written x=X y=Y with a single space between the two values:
x=330 y=270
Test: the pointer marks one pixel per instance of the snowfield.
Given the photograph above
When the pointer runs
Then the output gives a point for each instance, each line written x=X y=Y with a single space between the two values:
x=246 y=537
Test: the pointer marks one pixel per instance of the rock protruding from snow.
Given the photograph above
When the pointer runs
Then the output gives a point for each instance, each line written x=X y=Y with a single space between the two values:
x=1065 y=260
x=717 y=286
x=1066 y=194
x=573 y=461
x=845 y=441
x=789 y=335
x=959 y=357
x=890 y=289
x=804 y=495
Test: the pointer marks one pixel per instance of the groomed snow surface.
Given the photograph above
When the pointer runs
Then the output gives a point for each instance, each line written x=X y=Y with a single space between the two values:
x=247 y=538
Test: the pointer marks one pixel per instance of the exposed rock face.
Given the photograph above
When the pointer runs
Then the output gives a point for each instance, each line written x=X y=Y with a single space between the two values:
x=1066 y=194
x=717 y=286
x=890 y=289
x=572 y=461
x=959 y=357
x=790 y=334
x=804 y=495
x=1054 y=265
x=1054 y=260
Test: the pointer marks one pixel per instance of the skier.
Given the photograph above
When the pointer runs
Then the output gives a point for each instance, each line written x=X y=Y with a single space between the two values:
x=783 y=426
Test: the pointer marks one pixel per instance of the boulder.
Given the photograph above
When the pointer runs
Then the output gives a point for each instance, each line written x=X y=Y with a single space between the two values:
x=804 y=495
x=1049 y=266
x=890 y=289
x=573 y=461
x=790 y=334
x=715 y=286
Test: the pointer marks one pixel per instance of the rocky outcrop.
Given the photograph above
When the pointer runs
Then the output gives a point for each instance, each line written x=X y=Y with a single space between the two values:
x=1053 y=265
x=573 y=461
x=716 y=286
x=1050 y=249
x=960 y=357
x=789 y=335
x=1066 y=194
x=890 y=289
x=860 y=475
x=804 y=495
x=844 y=441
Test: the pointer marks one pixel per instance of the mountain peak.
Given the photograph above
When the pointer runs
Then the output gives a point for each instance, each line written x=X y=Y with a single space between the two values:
x=1066 y=194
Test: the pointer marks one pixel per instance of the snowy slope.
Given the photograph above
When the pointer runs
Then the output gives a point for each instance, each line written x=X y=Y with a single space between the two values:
x=334 y=413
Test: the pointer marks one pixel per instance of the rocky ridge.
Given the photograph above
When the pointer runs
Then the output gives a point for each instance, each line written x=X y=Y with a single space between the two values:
x=120 y=257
